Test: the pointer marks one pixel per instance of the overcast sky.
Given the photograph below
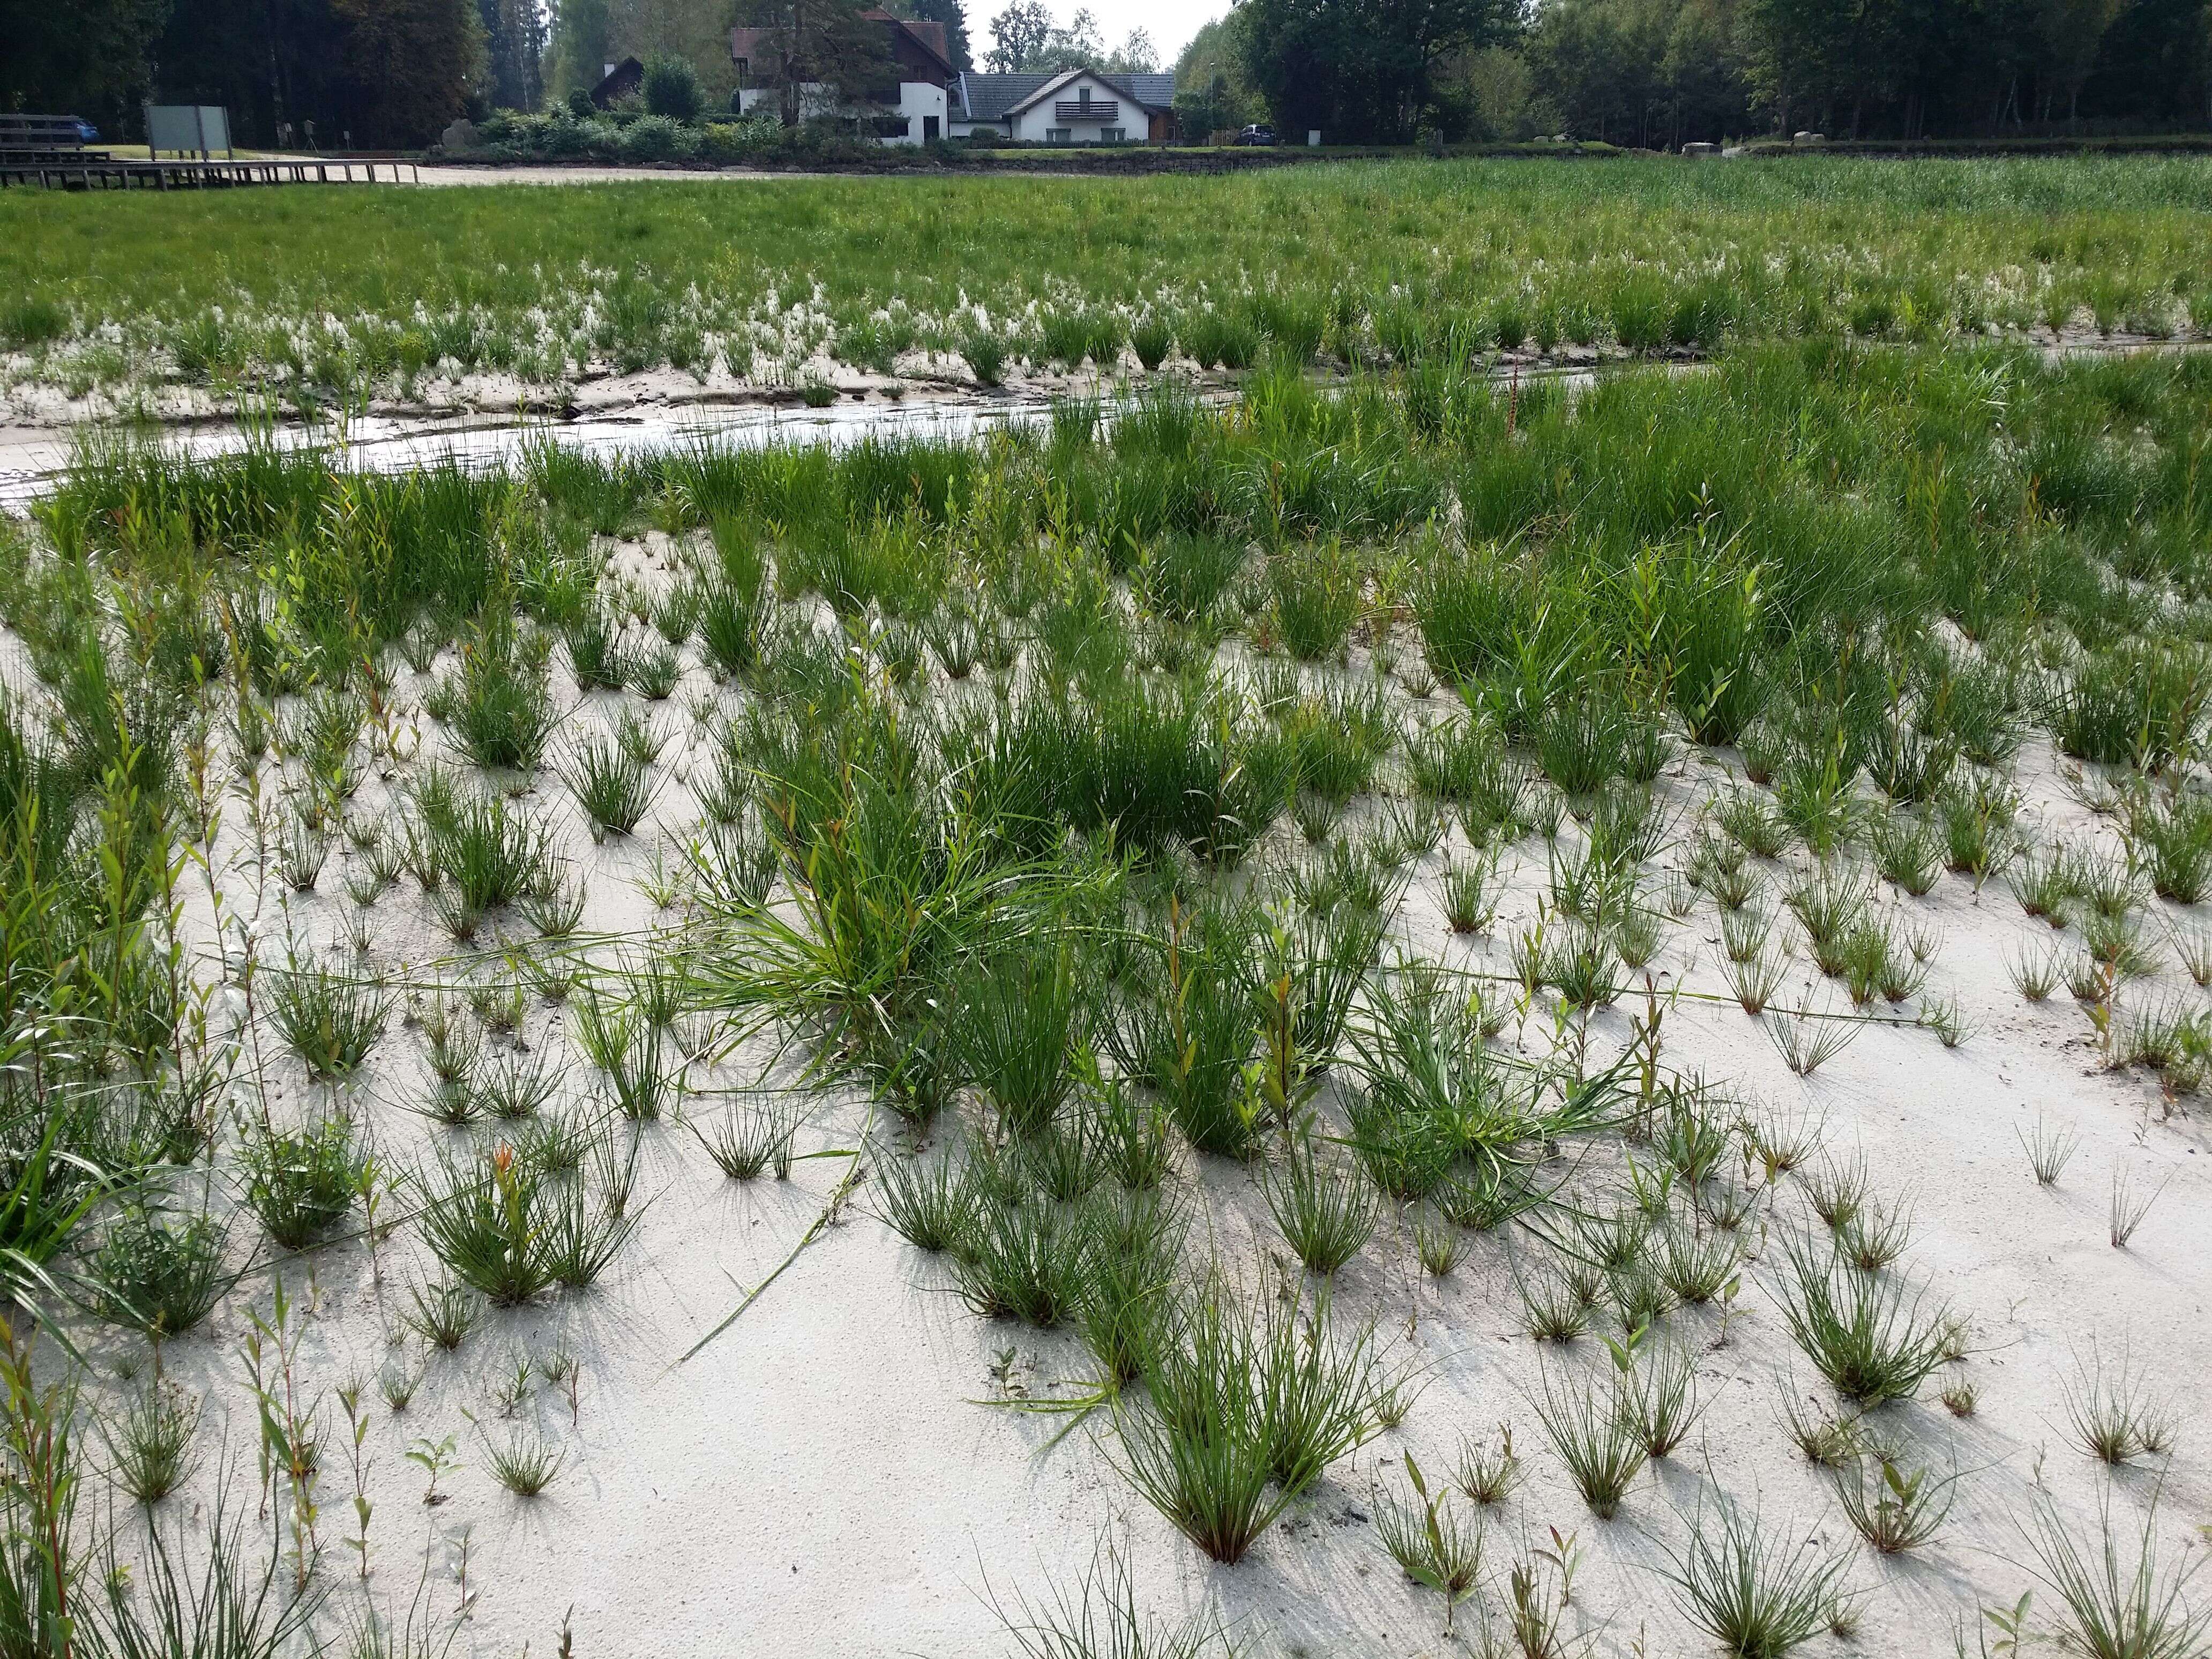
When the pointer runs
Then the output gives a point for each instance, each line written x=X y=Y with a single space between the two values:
x=1170 y=23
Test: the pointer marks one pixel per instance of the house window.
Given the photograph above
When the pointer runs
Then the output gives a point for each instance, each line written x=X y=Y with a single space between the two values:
x=1113 y=135
x=1057 y=134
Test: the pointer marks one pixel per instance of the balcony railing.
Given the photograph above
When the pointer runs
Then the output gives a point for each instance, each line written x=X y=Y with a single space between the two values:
x=1072 y=110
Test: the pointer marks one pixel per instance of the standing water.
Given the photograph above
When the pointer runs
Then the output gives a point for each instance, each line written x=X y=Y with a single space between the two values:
x=29 y=467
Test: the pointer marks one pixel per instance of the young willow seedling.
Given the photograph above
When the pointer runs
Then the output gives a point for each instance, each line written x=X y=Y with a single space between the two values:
x=1431 y=1540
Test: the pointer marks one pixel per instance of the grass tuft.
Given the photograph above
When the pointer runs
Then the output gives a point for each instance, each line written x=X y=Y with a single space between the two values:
x=1758 y=1594
x=1326 y=1216
x=1869 y=1336
x=2118 y=1601
x=1597 y=1431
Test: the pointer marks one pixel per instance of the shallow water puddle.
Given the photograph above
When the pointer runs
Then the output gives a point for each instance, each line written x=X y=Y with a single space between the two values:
x=31 y=465
x=31 y=460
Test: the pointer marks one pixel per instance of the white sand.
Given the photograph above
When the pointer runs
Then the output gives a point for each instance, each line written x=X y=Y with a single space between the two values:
x=827 y=1478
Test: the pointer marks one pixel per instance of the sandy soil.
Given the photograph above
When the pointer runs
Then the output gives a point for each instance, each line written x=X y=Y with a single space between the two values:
x=587 y=174
x=843 y=1470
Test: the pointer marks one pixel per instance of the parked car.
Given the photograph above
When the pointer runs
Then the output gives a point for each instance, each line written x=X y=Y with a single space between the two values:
x=86 y=132
x=1261 y=136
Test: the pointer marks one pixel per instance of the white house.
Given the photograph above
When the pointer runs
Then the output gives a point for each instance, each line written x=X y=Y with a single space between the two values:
x=919 y=116
x=913 y=108
x=1074 y=107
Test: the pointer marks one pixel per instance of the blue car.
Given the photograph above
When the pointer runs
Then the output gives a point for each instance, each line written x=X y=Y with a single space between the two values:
x=86 y=132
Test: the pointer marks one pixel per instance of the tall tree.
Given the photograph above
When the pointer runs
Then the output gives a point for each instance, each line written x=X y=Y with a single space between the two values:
x=86 y=57
x=1792 y=50
x=514 y=52
x=1136 y=55
x=2154 y=70
x=1018 y=36
x=1211 y=92
x=1363 y=71
x=407 y=66
x=1077 y=45
x=829 y=45
x=697 y=31
x=271 y=62
x=582 y=46
x=954 y=15
x=2073 y=36
x=1211 y=95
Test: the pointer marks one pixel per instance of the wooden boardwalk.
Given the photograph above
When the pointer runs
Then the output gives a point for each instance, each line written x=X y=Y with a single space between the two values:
x=65 y=171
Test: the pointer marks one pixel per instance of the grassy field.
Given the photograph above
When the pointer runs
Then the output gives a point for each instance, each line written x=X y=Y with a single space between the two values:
x=1325 y=924
x=327 y=292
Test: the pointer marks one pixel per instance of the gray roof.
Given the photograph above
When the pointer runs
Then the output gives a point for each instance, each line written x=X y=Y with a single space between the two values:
x=988 y=97
x=1153 y=91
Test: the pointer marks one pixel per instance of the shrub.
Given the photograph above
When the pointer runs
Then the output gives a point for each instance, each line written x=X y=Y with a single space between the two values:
x=150 y=1444
x=656 y=138
x=2170 y=835
x=1028 y=1012
x=1215 y=336
x=671 y=88
x=1129 y=1266
x=733 y=624
x=986 y=352
x=489 y=852
x=1191 y=1026
x=2119 y=1599
x=1599 y=1436
x=1472 y=609
x=1183 y=577
x=595 y=648
x=1022 y=1261
x=613 y=787
x=934 y=1204
x=1326 y=1216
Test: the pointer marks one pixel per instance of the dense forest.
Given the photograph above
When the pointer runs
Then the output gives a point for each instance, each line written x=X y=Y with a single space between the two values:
x=1647 y=73
x=1660 y=73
